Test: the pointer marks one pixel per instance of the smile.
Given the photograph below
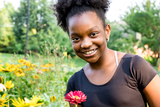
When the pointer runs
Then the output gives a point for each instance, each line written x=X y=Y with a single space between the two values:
x=90 y=53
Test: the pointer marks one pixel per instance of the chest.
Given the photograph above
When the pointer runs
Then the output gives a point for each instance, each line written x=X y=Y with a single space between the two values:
x=120 y=91
x=101 y=76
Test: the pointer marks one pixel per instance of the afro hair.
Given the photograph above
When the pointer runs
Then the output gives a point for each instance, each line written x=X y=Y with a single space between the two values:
x=64 y=9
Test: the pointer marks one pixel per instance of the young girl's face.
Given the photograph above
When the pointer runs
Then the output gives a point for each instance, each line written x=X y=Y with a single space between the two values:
x=88 y=36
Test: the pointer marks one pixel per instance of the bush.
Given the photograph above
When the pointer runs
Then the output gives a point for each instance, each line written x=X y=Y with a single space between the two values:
x=151 y=60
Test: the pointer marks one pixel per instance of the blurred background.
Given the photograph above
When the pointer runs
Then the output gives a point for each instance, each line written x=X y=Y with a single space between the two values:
x=134 y=23
x=34 y=36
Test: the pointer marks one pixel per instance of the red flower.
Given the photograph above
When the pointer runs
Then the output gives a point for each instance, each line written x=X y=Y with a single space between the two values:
x=75 y=97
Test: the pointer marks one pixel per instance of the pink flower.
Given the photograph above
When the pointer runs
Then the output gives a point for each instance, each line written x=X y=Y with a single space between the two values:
x=75 y=97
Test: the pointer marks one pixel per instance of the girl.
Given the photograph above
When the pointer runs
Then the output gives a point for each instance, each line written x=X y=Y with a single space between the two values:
x=110 y=78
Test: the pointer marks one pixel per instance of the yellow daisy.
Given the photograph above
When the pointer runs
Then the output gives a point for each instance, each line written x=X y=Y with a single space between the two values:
x=19 y=103
x=53 y=98
x=35 y=76
x=9 y=85
x=34 y=101
x=3 y=100
x=19 y=73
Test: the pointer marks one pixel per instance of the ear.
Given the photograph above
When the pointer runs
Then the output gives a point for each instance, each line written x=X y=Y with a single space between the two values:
x=107 y=31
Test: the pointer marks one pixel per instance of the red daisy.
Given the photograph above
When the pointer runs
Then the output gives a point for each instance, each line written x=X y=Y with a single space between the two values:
x=75 y=97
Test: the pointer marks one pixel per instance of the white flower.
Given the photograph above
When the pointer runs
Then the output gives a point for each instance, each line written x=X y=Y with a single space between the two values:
x=2 y=87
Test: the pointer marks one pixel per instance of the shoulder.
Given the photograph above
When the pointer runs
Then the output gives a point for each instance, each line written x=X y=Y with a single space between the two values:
x=142 y=71
x=138 y=62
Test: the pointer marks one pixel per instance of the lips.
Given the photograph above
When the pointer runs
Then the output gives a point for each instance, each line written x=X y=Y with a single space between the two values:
x=90 y=52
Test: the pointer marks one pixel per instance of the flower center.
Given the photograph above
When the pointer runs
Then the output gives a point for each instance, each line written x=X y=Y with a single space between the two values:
x=76 y=97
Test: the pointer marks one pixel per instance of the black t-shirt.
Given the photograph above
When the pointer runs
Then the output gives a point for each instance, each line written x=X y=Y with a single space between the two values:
x=124 y=89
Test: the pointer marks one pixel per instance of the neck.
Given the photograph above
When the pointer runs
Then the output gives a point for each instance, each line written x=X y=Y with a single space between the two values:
x=104 y=61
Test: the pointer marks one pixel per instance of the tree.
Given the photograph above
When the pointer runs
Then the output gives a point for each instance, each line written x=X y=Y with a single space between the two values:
x=120 y=40
x=7 y=40
x=145 y=19
x=42 y=27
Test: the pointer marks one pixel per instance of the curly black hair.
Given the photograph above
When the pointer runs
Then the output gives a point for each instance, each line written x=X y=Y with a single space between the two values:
x=64 y=9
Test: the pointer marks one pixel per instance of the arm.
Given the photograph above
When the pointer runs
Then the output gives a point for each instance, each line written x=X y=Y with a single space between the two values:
x=152 y=92
x=73 y=105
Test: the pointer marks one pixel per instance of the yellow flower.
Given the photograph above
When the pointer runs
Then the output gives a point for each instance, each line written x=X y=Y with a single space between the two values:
x=9 y=68
x=35 y=76
x=18 y=66
x=19 y=103
x=43 y=66
x=53 y=98
x=47 y=65
x=29 y=69
x=65 y=53
x=1 y=68
x=28 y=63
x=26 y=102
x=45 y=70
x=21 y=60
x=34 y=101
x=3 y=100
x=19 y=73
x=24 y=62
x=9 y=85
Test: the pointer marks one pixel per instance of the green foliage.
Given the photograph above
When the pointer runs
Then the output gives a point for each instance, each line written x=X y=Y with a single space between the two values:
x=151 y=60
x=145 y=19
x=120 y=40
x=42 y=21
x=7 y=40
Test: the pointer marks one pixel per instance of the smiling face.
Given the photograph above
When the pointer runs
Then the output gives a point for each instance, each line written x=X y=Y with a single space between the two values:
x=88 y=36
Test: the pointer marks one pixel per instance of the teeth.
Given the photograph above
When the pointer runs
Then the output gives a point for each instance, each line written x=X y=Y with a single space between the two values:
x=89 y=52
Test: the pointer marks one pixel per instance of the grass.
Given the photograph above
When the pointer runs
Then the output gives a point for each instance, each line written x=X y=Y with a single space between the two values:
x=6 y=57
x=76 y=61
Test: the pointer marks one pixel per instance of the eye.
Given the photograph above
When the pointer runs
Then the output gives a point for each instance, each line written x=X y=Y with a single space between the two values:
x=75 y=39
x=94 y=34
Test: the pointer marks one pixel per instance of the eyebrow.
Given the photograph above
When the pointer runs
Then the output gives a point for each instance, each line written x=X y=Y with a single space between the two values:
x=92 y=28
x=86 y=31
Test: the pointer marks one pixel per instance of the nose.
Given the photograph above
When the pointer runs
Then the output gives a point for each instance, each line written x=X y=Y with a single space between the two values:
x=86 y=43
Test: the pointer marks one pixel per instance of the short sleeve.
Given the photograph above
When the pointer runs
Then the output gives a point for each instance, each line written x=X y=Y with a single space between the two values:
x=142 y=71
x=70 y=84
